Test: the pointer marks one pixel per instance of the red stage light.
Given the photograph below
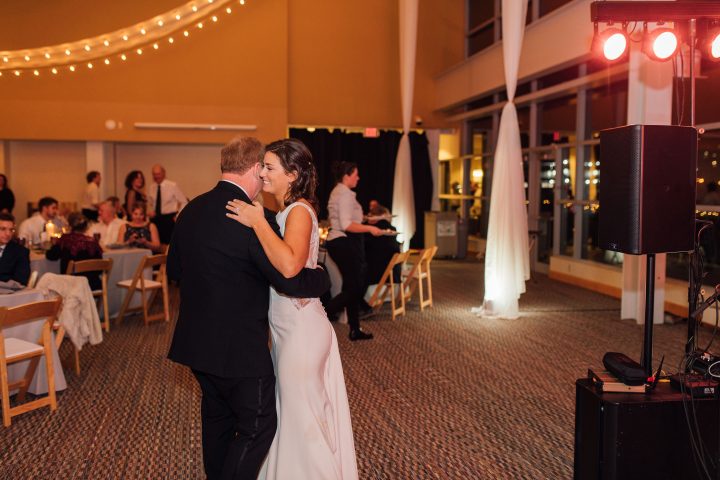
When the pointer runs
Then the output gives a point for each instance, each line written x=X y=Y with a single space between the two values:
x=712 y=46
x=612 y=44
x=661 y=44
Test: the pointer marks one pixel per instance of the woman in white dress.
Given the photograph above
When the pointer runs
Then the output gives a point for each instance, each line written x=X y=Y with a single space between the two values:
x=314 y=439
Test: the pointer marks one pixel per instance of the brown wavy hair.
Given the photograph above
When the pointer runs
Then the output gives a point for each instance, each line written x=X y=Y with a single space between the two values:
x=296 y=158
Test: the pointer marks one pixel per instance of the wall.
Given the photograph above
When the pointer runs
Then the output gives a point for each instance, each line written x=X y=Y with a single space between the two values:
x=233 y=72
x=33 y=172
x=269 y=63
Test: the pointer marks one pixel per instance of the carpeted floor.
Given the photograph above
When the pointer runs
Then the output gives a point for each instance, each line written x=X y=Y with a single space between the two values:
x=439 y=394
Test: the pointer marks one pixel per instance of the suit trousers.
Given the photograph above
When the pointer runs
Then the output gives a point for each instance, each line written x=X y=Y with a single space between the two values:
x=165 y=224
x=348 y=255
x=238 y=424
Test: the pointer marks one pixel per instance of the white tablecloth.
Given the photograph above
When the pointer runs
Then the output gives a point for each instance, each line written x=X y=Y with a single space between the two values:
x=125 y=262
x=31 y=332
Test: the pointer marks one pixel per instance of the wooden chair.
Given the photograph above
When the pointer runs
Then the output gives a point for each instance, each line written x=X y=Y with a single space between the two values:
x=14 y=350
x=420 y=271
x=144 y=285
x=104 y=267
x=386 y=286
x=32 y=281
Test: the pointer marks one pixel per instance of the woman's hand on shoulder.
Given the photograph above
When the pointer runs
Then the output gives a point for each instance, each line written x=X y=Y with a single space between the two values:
x=245 y=213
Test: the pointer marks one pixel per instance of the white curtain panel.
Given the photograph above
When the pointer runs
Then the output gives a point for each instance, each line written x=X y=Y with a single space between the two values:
x=507 y=262
x=403 y=198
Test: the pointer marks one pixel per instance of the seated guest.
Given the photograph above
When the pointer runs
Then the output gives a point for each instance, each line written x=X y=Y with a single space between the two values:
x=379 y=250
x=14 y=258
x=77 y=245
x=138 y=231
x=108 y=225
x=119 y=211
x=32 y=228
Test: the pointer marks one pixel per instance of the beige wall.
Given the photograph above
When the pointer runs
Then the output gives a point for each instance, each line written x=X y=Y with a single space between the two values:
x=195 y=168
x=270 y=63
x=38 y=169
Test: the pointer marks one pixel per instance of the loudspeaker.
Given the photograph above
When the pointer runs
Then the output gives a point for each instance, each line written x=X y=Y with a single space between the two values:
x=647 y=195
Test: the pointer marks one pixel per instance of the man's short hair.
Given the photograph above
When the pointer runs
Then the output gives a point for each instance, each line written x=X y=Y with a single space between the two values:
x=46 y=202
x=6 y=217
x=241 y=154
x=91 y=176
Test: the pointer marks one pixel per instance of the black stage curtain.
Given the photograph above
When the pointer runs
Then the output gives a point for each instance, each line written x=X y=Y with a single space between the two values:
x=422 y=185
x=375 y=158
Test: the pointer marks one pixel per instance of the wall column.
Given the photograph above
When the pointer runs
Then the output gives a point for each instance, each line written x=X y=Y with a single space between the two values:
x=99 y=156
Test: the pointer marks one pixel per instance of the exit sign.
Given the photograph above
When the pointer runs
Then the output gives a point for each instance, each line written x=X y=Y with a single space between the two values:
x=371 y=132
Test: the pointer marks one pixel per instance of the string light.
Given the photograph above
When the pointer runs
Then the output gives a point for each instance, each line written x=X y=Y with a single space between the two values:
x=89 y=51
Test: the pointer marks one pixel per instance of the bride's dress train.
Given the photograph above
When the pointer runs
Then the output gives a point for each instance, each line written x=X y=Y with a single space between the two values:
x=314 y=439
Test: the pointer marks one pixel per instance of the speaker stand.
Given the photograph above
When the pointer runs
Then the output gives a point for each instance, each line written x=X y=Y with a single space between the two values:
x=646 y=360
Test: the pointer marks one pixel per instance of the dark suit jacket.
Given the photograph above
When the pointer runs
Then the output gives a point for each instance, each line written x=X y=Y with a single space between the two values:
x=224 y=275
x=15 y=263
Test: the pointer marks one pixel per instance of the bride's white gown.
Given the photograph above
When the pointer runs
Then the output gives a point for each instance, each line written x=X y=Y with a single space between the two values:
x=314 y=439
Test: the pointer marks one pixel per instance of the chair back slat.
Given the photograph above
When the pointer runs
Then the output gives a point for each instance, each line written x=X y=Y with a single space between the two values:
x=29 y=312
x=82 y=266
x=153 y=260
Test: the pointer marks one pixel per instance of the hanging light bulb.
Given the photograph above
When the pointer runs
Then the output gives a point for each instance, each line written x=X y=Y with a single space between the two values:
x=87 y=48
x=47 y=55
x=67 y=51
x=106 y=43
x=171 y=40
x=72 y=68
x=27 y=58
x=36 y=73
x=139 y=51
x=107 y=61
x=143 y=31
x=214 y=18
x=160 y=23
x=200 y=25
x=123 y=57
x=5 y=59
x=54 y=71
x=186 y=33
x=228 y=10
x=194 y=8
x=17 y=73
x=177 y=16
x=90 y=65
x=125 y=37
x=242 y=2
x=156 y=46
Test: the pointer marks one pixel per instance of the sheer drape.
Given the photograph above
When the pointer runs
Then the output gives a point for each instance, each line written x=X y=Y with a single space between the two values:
x=506 y=258
x=403 y=197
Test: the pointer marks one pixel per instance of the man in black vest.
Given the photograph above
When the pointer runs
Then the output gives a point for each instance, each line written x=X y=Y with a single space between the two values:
x=14 y=258
x=222 y=327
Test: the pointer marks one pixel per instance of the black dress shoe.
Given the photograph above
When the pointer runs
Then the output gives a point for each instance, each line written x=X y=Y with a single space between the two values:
x=358 y=334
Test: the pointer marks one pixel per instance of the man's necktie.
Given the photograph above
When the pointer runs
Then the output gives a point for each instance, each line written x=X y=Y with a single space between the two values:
x=158 y=202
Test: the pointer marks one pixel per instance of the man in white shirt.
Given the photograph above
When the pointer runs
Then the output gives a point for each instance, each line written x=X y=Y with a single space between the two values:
x=91 y=197
x=32 y=228
x=165 y=200
x=108 y=225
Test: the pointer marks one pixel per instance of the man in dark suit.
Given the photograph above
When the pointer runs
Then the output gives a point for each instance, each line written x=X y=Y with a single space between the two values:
x=222 y=327
x=14 y=258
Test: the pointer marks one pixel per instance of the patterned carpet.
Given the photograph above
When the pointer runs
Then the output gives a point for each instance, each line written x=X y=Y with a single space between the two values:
x=439 y=394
